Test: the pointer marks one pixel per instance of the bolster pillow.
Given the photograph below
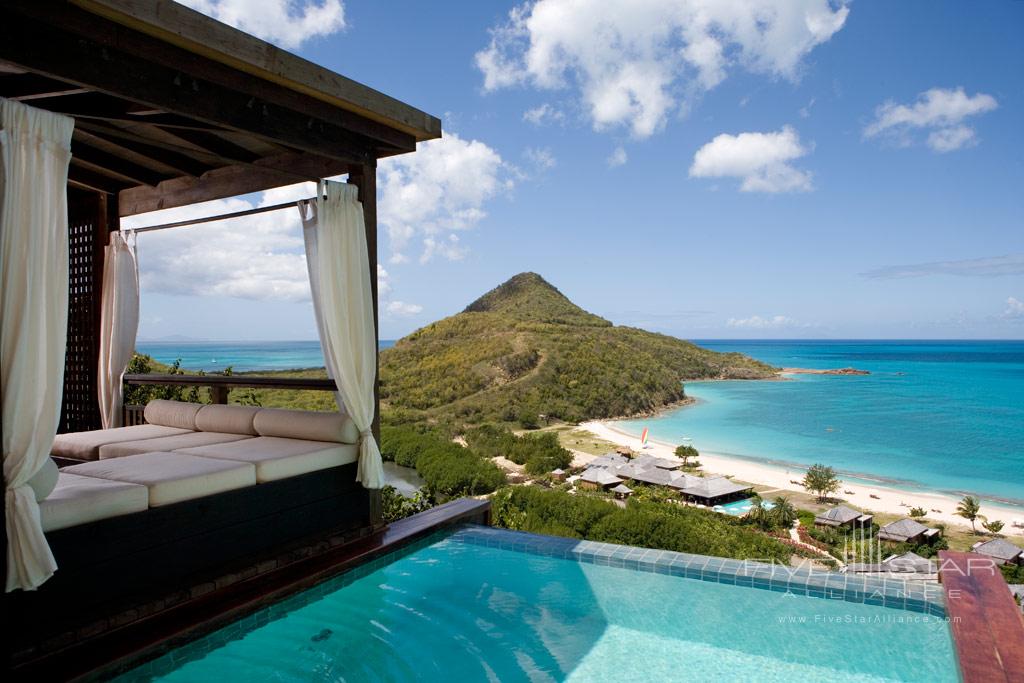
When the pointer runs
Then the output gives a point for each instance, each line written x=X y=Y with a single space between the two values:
x=172 y=413
x=306 y=424
x=227 y=419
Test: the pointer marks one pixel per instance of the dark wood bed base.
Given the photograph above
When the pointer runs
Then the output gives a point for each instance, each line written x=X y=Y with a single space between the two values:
x=108 y=566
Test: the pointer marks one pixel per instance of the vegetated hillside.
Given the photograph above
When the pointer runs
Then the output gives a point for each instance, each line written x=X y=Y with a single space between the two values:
x=524 y=349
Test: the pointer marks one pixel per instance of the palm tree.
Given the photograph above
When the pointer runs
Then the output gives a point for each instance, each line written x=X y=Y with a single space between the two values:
x=993 y=527
x=784 y=512
x=970 y=508
x=758 y=514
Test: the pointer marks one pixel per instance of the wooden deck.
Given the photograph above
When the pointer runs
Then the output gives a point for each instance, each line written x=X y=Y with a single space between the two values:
x=118 y=650
x=988 y=628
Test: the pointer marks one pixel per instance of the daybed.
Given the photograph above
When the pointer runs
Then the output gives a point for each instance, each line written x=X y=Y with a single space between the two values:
x=199 y=491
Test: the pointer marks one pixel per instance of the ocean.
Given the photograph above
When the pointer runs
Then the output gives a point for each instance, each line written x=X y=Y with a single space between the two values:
x=937 y=415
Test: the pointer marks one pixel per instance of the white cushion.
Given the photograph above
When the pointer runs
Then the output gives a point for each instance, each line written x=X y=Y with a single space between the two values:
x=306 y=424
x=167 y=443
x=43 y=481
x=172 y=477
x=172 y=413
x=278 y=458
x=86 y=445
x=229 y=419
x=79 y=500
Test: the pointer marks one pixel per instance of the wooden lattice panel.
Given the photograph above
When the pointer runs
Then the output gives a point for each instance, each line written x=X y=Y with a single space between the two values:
x=80 y=410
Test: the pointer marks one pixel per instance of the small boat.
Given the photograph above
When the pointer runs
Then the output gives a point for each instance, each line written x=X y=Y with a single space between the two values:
x=874 y=496
x=849 y=493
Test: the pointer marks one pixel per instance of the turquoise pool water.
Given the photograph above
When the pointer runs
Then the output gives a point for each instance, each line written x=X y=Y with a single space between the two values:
x=456 y=610
x=738 y=508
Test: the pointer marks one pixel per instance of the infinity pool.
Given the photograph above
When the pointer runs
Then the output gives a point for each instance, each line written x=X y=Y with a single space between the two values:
x=481 y=604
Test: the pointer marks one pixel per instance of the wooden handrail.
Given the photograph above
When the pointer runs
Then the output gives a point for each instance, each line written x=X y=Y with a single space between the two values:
x=235 y=381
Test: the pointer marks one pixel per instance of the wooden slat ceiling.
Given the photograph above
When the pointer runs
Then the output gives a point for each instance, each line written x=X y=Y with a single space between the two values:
x=160 y=126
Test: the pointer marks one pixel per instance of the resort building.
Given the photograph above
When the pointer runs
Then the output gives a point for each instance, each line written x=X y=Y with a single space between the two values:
x=1000 y=550
x=597 y=478
x=622 y=491
x=648 y=461
x=907 y=531
x=609 y=460
x=558 y=474
x=713 y=491
x=842 y=516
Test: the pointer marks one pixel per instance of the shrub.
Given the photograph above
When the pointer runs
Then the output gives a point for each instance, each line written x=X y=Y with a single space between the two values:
x=648 y=525
x=396 y=506
x=540 y=453
x=448 y=469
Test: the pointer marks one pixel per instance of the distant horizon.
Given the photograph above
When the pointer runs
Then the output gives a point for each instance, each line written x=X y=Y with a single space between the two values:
x=191 y=340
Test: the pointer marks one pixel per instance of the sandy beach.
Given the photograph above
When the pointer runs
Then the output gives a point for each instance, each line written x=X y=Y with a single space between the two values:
x=888 y=499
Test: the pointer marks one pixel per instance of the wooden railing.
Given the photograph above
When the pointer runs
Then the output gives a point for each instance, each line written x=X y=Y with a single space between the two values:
x=219 y=386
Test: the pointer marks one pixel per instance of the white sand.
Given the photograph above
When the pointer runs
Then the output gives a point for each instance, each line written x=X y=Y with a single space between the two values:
x=890 y=499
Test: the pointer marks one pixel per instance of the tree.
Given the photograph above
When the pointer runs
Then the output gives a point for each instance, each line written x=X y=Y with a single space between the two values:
x=784 y=513
x=918 y=513
x=758 y=514
x=685 y=452
x=993 y=527
x=822 y=480
x=970 y=509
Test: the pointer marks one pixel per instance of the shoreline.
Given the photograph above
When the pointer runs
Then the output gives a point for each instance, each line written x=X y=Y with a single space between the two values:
x=778 y=476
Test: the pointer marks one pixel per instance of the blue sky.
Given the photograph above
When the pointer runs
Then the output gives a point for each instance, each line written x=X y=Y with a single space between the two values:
x=856 y=179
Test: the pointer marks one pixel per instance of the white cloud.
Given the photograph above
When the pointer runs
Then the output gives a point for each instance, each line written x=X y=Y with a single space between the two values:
x=939 y=111
x=543 y=114
x=1014 y=309
x=540 y=158
x=256 y=257
x=447 y=248
x=756 y=322
x=635 y=63
x=618 y=157
x=805 y=111
x=288 y=23
x=761 y=160
x=442 y=188
x=401 y=308
x=989 y=266
x=951 y=139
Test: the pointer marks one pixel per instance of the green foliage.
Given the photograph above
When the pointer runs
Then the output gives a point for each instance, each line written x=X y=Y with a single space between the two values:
x=642 y=524
x=540 y=453
x=1013 y=573
x=783 y=513
x=524 y=349
x=141 y=364
x=821 y=480
x=970 y=509
x=918 y=513
x=684 y=452
x=449 y=470
x=395 y=506
x=993 y=527
x=806 y=518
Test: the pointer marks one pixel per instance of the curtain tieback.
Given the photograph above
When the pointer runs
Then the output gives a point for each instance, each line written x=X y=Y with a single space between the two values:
x=365 y=434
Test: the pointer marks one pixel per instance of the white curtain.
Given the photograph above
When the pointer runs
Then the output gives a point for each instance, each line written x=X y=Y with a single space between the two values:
x=339 y=279
x=119 y=323
x=36 y=149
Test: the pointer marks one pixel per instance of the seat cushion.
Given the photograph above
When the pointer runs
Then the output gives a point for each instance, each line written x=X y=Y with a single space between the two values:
x=279 y=458
x=171 y=477
x=86 y=445
x=307 y=425
x=167 y=443
x=226 y=419
x=172 y=413
x=80 y=500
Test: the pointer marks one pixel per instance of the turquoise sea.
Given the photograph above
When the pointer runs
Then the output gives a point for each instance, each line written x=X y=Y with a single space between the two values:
x=938 y=415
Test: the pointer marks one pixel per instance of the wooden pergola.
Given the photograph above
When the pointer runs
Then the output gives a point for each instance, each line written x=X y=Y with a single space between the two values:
x=173 y=108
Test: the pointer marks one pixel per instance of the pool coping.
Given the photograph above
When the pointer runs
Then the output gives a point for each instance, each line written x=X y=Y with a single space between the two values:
x=882 y=592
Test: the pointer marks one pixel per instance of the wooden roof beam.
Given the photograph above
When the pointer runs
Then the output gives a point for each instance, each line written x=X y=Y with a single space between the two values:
x=87 y=179
x=181 y=163
x=92 y=53
x=105 y=161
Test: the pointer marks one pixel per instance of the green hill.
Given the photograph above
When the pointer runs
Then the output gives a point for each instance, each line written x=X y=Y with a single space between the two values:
x=525 y=349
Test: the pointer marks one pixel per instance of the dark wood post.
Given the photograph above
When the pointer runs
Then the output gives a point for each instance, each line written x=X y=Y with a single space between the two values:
x=364 y=177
